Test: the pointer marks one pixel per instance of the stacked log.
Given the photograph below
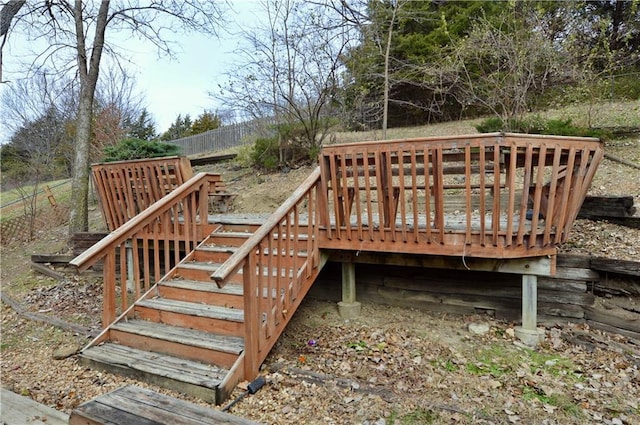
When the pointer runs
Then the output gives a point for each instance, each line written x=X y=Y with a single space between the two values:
x=566 y=297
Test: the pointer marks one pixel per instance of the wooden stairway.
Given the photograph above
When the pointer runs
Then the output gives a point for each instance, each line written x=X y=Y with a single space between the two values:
x=185 y=333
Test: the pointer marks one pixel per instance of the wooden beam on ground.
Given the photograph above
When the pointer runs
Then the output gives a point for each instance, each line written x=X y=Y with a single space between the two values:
x=54 y=258
x=606 y=206
x=211 y=159
x=47 y=271
x=629 y=268
x=53 y=321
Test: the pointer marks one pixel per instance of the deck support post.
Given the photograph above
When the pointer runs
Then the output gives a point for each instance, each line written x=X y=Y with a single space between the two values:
x=130 y=280
x=349 y=308
x=529 y=333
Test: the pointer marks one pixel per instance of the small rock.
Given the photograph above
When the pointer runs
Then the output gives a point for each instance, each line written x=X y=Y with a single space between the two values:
x=66 y=351
x=478 y=328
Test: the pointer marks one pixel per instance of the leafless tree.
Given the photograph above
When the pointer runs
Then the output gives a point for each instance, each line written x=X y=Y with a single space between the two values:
x=73 y=36
x=288 y=69
x=500 y=65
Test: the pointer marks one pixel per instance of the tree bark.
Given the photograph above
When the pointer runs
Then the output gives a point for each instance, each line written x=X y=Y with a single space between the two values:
x=88 y=70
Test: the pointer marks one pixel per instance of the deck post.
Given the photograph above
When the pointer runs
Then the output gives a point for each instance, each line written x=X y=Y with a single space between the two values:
x=349 y=308
x=529 y=333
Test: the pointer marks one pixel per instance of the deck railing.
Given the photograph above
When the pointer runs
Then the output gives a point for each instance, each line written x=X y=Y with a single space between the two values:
x=126 y=188
x=493 y=195
x=150 y=244
x=279 y=262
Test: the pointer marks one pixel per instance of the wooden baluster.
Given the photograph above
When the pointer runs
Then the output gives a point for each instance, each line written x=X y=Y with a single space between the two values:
x=525 y=191
x=537 y=195
x=511 y=187
x=414 y=195
x=550 y=213
x=335 y=186
x=356 y=191
x=497 y=195
x=467 y=182
x=438 y=191
x=380 y=172
x=562 y=217
x=345 y=194
x=428 y=181
x=401 y=196
x=368 y=193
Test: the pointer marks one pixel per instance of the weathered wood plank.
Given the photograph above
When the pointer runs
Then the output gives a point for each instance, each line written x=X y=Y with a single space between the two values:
x=40 y=268
x=194 y=309
x=17 y=410
x=51 y=258
x=630 y=322
x=606 y=206
x=629 y=268
x=142 y=406
x=189 y=337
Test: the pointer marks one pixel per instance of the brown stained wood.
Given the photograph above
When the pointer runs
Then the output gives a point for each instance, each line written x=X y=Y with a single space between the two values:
x=207 y=324
x=510 y=185
x=206 y=292
x=537 y=195
x=192 y=378
x=252 y=322
x=527 y=161
x=467 y=174
x=178 y=349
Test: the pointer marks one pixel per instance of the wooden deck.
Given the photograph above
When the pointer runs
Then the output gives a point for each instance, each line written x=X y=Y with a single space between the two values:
x=208 y=300
x=498 y=179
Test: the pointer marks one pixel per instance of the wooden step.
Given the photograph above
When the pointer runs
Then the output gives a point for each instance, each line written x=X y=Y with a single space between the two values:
x=199 y=270
x=189 y=377
x=203 y=292
x=135 y=405
x=213 y=253
x=205 y=347
x=208 y=318
x=228 y=238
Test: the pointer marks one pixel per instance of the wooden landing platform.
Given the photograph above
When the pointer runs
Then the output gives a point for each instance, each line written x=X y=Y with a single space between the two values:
x=134 y=405
x=18 y=410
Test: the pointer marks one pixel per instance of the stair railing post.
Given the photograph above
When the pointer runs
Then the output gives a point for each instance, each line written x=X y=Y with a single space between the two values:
x=109 y=288
x=252 y=318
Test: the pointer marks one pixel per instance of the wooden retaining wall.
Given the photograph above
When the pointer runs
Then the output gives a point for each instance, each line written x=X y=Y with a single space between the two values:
x=567 y=297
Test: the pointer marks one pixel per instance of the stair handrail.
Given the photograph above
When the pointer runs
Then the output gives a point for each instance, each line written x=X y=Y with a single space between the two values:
x=155 y=228
x=236 y=261
x=279 y=263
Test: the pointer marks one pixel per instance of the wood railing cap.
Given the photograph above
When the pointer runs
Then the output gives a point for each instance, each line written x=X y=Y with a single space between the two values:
x=461 y=138
x=236 y=260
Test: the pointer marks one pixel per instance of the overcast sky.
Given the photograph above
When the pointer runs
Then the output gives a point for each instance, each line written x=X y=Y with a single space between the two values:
x=171 y=87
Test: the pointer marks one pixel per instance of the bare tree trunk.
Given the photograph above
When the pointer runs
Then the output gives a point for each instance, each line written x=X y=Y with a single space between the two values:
x=385 y=106
x=88 y=70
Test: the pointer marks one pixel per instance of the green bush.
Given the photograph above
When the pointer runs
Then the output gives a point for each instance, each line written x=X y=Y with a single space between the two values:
x=265 y=153
x=133 y=148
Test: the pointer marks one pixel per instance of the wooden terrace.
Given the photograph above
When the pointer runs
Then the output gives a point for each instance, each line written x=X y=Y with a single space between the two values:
x=197 y=305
